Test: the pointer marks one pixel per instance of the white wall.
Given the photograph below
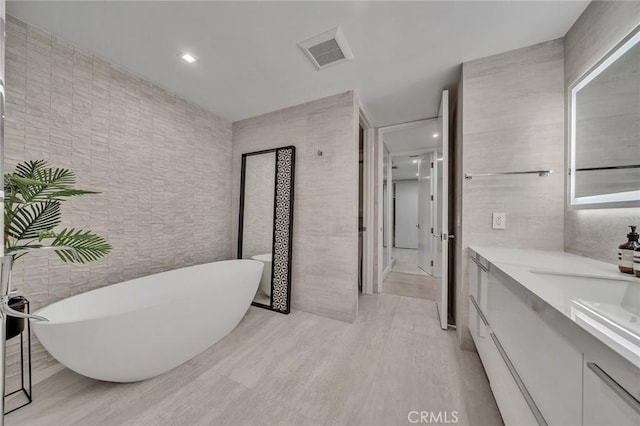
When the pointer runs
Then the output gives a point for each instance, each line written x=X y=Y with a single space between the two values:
x=162 y=166
x=406 y=214
x=325 y=225
x=512 y=120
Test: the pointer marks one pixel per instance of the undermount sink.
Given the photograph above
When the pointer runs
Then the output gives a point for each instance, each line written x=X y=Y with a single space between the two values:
x=607 y=306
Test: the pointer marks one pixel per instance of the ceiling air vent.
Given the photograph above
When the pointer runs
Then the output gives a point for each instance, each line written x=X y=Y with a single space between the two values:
x=328 y=48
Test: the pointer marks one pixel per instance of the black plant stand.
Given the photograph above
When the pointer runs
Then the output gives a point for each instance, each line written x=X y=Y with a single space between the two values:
x=25 y=381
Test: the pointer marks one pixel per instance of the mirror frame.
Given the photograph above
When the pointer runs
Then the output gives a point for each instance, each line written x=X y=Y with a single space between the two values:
x=282 y=226
x=620 y=199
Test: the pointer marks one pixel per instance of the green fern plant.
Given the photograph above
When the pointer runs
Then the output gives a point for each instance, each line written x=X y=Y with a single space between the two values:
x=33 y=194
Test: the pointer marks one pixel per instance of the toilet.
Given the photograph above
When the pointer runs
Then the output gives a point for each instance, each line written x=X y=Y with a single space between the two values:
x=265 y=280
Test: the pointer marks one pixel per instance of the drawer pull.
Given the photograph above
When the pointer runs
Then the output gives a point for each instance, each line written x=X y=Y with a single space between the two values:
x=480 y=314
x=516 y=377
x=480 y=265
x=615 y=387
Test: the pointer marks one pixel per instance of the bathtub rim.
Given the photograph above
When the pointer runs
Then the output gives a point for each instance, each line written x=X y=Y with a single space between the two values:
x=180 y=297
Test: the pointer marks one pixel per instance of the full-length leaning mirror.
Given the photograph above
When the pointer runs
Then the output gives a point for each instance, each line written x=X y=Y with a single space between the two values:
x=604 y=130
x=266 y=222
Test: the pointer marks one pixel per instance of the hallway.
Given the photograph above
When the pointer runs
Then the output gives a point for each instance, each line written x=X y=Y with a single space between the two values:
x=406 y=261
x=411 y=285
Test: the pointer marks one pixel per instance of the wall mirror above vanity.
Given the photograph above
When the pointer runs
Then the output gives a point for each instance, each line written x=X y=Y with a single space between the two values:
x=604 y=130
x=266 y=222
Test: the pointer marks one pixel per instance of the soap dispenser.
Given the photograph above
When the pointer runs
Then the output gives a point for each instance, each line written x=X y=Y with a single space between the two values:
x=626 y=251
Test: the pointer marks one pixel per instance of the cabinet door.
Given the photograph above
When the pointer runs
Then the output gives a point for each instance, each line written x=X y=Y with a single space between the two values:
x=516 y=405
x=479 y=333
x=478 y=281
x=513 y=405
x=473 y=277
x=535 y=338
x=611 y=389
x=483 y=294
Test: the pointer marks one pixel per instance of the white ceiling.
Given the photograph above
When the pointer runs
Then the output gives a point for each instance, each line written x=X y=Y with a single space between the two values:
x=415 y=138
x=405 y=168
x=249 y=62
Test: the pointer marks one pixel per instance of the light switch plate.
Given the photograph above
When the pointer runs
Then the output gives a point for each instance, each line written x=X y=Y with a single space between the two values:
x=499 y=220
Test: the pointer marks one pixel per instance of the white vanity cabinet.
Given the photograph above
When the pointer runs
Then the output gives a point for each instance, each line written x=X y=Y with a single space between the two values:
x=478 y=278
x=543 y=367
x=537 y=342
x=514 y=402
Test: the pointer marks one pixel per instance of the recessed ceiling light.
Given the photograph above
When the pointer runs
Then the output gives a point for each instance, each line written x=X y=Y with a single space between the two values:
x=415 y=161
x=435 y=135
x=417 y=174
x=188 y=58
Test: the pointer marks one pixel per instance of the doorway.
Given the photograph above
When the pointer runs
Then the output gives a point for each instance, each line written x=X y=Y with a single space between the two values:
x=361 y=227
x=408 y=201
x=426 y=143
x=366 y=187
x=411 y=214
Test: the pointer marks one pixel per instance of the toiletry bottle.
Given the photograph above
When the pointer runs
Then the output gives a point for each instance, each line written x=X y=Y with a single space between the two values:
x=626 y=252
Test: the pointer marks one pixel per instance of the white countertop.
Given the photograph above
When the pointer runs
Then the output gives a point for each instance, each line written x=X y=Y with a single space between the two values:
x=574 y=285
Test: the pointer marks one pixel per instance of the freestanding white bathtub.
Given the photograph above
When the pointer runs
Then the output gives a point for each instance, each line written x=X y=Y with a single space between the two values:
x=141 y=328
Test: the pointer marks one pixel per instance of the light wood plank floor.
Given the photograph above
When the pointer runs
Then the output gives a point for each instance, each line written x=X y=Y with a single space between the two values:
x=299 y=369
x=406 y=260
x=411 y=285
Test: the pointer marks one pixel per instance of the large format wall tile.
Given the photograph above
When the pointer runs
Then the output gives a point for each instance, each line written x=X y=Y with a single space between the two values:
x=325 y=235
x=512 y=120
x=162 y=165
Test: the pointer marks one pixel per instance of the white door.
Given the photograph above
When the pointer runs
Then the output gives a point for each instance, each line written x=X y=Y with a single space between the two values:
x=440 y=181
x=406 y=214
x=425 y=255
